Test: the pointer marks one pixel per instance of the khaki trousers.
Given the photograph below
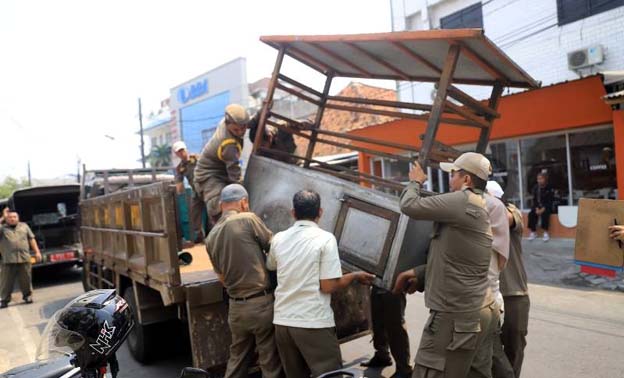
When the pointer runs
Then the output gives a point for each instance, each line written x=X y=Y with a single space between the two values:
x=389 y=332
x=8 y=274
x=515 y=329
x=457 y=345
x=308 y=351
x=251 y=325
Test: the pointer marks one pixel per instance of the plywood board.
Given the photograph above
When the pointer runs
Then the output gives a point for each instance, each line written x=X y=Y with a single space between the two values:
x=593 y=244
x=201 y=261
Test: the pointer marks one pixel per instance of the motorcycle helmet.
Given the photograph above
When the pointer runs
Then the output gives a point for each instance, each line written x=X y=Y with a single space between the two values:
x=92 y=327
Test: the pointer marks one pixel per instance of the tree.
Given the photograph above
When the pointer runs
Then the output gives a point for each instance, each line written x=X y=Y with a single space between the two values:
x=160 y=156
x=11 y=184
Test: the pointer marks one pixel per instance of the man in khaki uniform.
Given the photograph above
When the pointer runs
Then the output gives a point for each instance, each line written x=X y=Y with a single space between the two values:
x=16 y=240
x=219 y=161
x=186 y=169
x=389 y=332
x=456 y=341
x=235 y=246
x=515 y=292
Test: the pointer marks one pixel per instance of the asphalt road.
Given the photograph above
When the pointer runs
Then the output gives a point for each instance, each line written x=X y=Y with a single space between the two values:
x=573 y=332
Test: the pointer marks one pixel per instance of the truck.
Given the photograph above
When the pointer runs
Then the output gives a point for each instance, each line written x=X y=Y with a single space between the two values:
x=132 y=237
x=52 y=214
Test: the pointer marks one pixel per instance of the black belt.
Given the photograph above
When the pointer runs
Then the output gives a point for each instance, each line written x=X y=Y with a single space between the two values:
x=260 y=294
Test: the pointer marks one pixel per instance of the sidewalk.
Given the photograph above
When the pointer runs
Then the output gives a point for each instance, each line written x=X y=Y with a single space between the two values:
x=552 y=263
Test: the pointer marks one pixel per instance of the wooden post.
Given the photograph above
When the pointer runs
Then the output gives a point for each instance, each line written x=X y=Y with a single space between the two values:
x=438 y=103
x=484 y=137
x=319 y=117
x=268 y=101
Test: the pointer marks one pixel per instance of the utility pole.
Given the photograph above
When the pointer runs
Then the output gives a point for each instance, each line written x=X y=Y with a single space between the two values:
x=141 y=132
x=29 y=178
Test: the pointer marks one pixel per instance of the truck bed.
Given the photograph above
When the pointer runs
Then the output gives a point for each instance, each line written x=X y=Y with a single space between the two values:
x=200 y=270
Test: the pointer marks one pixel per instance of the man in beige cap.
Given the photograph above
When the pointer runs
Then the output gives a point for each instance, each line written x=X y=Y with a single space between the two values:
x=219 y=161
x=456 y=341
x=186 y=169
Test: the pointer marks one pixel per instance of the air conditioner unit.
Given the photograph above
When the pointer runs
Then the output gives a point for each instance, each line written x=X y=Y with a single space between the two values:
x=585 y=57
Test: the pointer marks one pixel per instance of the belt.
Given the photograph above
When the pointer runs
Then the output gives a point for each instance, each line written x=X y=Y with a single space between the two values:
x=257 y=295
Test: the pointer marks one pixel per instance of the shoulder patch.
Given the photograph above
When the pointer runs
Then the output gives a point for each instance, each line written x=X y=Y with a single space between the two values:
x=228 y=142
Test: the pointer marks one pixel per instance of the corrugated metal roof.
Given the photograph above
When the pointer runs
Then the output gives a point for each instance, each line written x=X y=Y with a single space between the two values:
x=408 y=56
x=614 y=95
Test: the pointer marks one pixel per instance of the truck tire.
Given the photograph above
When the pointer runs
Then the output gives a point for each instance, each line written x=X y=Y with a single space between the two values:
x=142 y=339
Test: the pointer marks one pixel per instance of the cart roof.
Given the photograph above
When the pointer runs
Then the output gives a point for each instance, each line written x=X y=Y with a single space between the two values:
x=407 y=56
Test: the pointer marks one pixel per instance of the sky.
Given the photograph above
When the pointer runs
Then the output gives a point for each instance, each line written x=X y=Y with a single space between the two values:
x=71 y=71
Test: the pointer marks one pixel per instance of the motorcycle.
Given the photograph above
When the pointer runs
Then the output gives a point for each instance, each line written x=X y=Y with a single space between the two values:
x=81 y=339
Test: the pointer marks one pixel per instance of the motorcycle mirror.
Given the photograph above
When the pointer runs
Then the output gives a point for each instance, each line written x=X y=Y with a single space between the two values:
x=189 y=372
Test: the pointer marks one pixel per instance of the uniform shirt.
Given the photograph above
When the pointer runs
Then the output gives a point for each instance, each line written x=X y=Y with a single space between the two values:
x=15 y=243
x=500 y=244
x=220 y=158
x=303 y=255
x=460 y=251
x=234 y=246
x=514 y=278
x=186 y=169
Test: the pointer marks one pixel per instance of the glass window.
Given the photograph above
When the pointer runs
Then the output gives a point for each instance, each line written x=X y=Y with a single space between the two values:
x=593 y=164
x=396 y=170
x=469 y=17
x=572 y=10
x=504 y=159
x=547 y=155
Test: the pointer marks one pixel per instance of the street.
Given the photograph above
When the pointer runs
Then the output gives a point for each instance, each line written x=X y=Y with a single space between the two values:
x=573 y=331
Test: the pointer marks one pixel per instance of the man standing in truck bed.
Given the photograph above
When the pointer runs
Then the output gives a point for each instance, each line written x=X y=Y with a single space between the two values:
x=186 y=169
x=219 y=162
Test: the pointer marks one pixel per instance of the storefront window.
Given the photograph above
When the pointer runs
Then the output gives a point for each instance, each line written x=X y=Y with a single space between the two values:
x=396 y=170
x=504 y=159
x=547 y=155
x=593 y=165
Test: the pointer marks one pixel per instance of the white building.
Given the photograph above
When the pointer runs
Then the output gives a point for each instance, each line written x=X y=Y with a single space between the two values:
x=537 y=34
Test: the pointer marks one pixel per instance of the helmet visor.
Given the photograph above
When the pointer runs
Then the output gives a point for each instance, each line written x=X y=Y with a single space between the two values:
x=56 y=341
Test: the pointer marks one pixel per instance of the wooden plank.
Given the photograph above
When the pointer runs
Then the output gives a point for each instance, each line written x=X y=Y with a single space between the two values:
x=443 y=34
x=319 y=116
x=380 y=61
x=483 y=64
x=298 y=94
x=467 y=100
x=438 y=103
x=467 y=114
x=377 y=102
x=484 y=138
x=300 y=85
x=308 y=60
x=593 y=244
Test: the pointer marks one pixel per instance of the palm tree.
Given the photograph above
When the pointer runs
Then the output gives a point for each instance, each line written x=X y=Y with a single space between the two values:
x=160 y=156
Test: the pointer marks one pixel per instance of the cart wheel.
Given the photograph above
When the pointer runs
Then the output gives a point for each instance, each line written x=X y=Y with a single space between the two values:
x=141 y=340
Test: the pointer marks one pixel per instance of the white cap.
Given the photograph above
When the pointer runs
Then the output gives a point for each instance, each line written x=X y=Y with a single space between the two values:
x=179 y=145
x=472 y=162
x=494 y=189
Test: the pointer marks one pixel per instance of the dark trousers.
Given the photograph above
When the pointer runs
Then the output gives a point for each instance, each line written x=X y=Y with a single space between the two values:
x=533 y=218
x=515 y=329
x=8 y=274
x=501 y=368
x=197 y=210
x=251 y=324
x=306 y=351
x=388 y=318
x=457 y=345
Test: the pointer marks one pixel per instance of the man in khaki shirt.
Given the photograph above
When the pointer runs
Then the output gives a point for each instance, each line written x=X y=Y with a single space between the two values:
x=456 y=341
x=235 y=246
x=219 y=161
x=186 y=170
x=16 y=240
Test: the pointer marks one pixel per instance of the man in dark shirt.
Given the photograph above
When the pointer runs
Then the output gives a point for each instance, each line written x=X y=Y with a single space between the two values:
x=543 y=197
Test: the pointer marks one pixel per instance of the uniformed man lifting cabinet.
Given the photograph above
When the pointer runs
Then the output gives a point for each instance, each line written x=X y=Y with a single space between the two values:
x=515 y=292
x=16 y=240
x=219 y=161
x=235 y=246
x=186 y=169
x=454 y=342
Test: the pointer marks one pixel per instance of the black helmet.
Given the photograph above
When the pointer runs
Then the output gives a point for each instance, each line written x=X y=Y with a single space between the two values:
x=92 y=326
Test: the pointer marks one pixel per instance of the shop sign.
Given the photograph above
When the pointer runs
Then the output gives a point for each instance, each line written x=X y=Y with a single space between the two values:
x=192 y=91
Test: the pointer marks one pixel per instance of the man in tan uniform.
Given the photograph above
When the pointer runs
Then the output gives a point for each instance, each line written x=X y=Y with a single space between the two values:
x=16 y=240
x=513 y=284
x=219 y=161
x=235 y=246
x=186 y=169
x=456 y=341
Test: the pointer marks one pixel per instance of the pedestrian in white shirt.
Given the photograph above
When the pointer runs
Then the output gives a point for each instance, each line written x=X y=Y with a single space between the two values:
x=308 y=271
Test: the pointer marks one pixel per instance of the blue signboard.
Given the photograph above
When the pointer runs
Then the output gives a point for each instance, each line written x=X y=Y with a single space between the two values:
x=202 y=118
x=192 y=91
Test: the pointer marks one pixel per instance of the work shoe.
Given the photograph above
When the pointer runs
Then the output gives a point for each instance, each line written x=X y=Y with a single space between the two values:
x=546 y=237
x=4 y=304
x=28 y=300
x=399 y=374
x=377 y=362
x=532 y=236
